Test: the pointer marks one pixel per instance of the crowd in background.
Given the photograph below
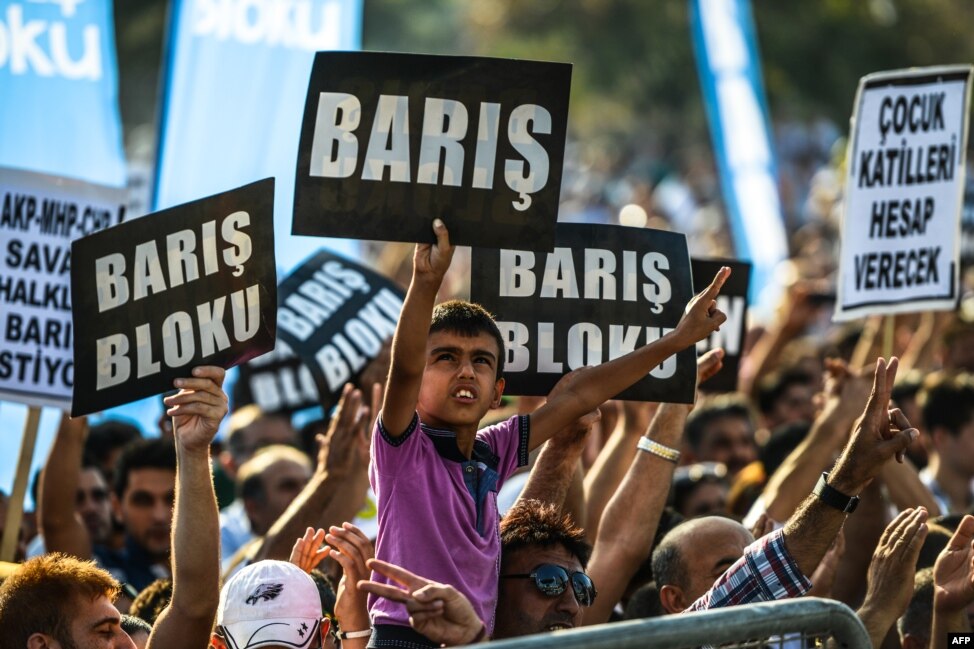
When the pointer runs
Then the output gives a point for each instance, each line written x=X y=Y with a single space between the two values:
x=630 y=540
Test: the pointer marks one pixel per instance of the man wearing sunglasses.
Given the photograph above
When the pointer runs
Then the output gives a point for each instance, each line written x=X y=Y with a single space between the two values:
x=543 y=585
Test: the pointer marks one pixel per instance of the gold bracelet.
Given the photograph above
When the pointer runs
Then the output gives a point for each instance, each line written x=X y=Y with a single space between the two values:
x=659 y=450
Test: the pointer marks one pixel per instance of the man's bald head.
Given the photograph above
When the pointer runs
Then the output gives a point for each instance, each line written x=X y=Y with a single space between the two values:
x=693 y=555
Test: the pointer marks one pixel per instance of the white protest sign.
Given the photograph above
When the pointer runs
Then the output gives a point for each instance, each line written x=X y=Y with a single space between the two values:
x=39 y=217
x=900 y=231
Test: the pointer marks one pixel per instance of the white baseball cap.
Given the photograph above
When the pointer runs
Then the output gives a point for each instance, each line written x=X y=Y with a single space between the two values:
x=269 y=603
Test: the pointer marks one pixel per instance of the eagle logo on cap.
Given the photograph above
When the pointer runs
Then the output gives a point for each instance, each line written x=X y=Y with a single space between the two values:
x=265 y=592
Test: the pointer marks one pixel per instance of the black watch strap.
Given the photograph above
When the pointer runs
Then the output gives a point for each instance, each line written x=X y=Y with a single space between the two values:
x=834 y=497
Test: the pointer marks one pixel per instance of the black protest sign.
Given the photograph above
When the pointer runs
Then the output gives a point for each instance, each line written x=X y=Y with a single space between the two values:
x=278 y=383
x=733 y=302
x=39 y=217
x=154 y=297
x=391 y=141
x=901 y=222
x=604 y=291
x=336 y=315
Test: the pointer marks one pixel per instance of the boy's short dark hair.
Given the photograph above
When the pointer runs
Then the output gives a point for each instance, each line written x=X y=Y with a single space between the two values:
x=531 y=523
x=153 y=453
x=468 y=319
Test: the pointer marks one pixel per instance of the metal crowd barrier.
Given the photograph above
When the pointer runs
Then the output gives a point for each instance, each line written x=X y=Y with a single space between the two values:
x=788 y=624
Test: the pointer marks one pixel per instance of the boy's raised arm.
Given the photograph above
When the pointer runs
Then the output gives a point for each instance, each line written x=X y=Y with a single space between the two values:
x=589 y=388
x=430 y=263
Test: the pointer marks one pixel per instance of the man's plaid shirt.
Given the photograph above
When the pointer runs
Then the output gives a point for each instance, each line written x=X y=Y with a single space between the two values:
x=766 y=572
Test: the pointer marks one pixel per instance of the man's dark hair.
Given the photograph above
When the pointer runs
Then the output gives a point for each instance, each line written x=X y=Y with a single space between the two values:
x=152 y=600
x=918 y=617
x=132 y=624
x=668 y=566
x=531 y=523
x=712 y=409
x=106 y=436
x=144 y=454
x=468 y=319
x=947 y=401
x=774 y=386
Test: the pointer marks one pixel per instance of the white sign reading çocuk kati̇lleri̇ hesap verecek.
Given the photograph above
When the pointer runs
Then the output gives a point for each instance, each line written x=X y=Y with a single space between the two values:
x=191 y=285
x=39 y=217
x=900 y=231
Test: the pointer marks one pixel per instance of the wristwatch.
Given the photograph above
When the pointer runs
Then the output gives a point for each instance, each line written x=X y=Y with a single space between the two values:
x=833 y=497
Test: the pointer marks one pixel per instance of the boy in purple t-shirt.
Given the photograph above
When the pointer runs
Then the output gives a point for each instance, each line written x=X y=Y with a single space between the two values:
x=434 y=474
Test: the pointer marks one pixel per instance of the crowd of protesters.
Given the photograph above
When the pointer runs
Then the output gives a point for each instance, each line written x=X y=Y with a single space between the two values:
x=833 y=472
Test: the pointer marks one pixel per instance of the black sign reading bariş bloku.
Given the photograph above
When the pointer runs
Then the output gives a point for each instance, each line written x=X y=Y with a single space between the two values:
x=391 y=141
x=603 y=292
x=156 y=296
x=336 y=315
x=733 y=302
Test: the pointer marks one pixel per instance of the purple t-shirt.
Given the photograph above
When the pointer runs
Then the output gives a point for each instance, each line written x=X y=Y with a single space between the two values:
x=438 y=510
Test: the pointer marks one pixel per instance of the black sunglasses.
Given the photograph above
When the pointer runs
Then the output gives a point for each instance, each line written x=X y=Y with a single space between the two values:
x=552 y=580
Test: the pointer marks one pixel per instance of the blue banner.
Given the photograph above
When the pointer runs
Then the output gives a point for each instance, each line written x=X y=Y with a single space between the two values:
x=730 y=77
x=59 y=90
x=237 y=79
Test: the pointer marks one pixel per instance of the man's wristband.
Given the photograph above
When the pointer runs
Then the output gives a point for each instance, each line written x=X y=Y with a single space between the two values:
x=659 y=450
x=833 y=497
x=346 y=635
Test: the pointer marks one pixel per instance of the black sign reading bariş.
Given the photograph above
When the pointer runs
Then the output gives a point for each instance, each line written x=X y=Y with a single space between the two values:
x=392 y=141
x=156 y=296
x=603 y=292
x=733 y=302
x=336 y=314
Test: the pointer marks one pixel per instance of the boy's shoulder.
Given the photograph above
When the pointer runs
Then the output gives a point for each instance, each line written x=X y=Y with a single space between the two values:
x=502 y=419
